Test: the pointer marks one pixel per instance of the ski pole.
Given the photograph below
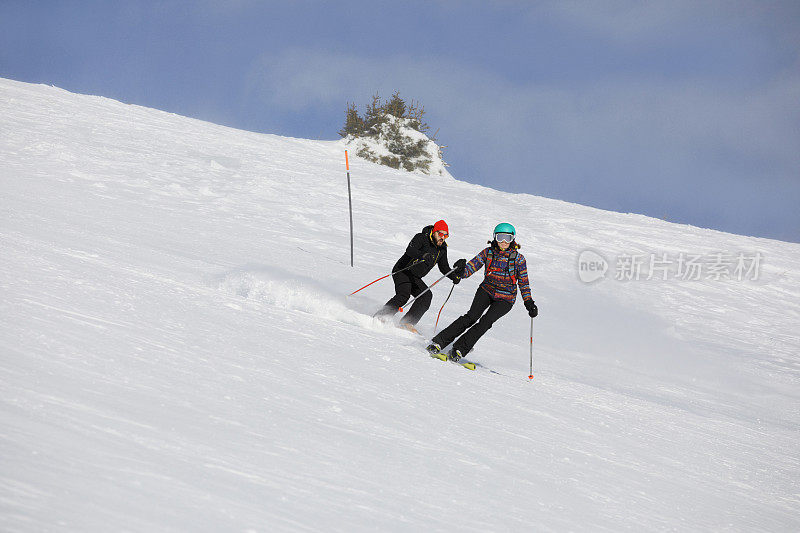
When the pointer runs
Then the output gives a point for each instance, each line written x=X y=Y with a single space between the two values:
x=426 y=290
x=530 y=375
x=380 y=278
x=440 y=310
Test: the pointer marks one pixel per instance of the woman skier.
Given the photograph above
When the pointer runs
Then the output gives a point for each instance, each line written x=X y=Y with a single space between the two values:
x=505 y=269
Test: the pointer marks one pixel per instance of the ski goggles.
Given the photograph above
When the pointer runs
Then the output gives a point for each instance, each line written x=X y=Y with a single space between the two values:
x=443 y=233
x=504 y=237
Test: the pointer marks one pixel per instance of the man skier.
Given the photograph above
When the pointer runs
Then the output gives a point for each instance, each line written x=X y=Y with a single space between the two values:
x=425 y=250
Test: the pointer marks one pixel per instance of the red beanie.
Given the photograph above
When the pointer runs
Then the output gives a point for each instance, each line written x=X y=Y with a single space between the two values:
x=441 y=226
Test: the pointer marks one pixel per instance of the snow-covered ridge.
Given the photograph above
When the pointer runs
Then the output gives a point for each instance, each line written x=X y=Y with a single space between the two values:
x=177 y=351
x=397 y=136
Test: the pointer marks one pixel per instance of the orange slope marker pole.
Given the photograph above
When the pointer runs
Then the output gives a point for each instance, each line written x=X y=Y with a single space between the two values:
x=350 y=203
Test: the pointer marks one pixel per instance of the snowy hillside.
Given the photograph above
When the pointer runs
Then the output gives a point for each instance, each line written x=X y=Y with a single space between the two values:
x=177 y=351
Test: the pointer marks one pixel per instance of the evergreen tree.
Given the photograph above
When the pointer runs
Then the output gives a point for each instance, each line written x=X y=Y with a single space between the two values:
x=374 y=116
x=416 y=115
x=353 y=123
x=396 y=106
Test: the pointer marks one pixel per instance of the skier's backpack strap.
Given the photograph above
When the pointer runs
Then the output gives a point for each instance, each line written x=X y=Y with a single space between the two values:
x=512 y=266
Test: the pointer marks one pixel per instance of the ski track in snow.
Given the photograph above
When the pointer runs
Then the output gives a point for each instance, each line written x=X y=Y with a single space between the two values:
x=282 y=290
x=177 y=351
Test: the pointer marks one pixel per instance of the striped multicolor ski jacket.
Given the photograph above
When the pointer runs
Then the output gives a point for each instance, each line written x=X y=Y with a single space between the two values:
x=499 y=282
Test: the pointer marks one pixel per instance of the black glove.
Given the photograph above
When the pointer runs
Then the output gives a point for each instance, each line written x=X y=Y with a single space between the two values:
x=459 y=266
x=427 y=258
x=530 y=305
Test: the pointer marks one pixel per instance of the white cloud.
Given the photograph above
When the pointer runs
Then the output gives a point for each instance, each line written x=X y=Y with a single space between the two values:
x=614 y=117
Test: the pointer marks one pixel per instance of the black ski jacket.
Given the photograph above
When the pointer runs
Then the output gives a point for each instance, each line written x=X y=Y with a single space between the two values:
x=420 y=245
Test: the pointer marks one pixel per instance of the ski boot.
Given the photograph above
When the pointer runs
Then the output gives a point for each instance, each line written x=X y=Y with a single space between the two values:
x=455 y=355
x=436 y=351
x=433 y=348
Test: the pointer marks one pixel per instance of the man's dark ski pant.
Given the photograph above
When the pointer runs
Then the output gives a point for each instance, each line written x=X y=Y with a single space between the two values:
x=405 y=287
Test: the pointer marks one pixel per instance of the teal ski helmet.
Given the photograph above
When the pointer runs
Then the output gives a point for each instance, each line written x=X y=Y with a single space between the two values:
x=504 y=227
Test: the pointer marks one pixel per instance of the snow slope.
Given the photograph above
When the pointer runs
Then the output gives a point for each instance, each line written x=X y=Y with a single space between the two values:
x=177 y=351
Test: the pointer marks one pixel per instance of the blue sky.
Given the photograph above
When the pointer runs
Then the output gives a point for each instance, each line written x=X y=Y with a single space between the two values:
x=683 y=110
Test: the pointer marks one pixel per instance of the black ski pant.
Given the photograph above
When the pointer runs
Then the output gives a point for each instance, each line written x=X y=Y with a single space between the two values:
x=479 y=324
x=405 y=287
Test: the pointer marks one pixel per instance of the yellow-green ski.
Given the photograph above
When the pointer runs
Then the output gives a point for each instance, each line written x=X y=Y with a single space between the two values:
x=443 y=357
